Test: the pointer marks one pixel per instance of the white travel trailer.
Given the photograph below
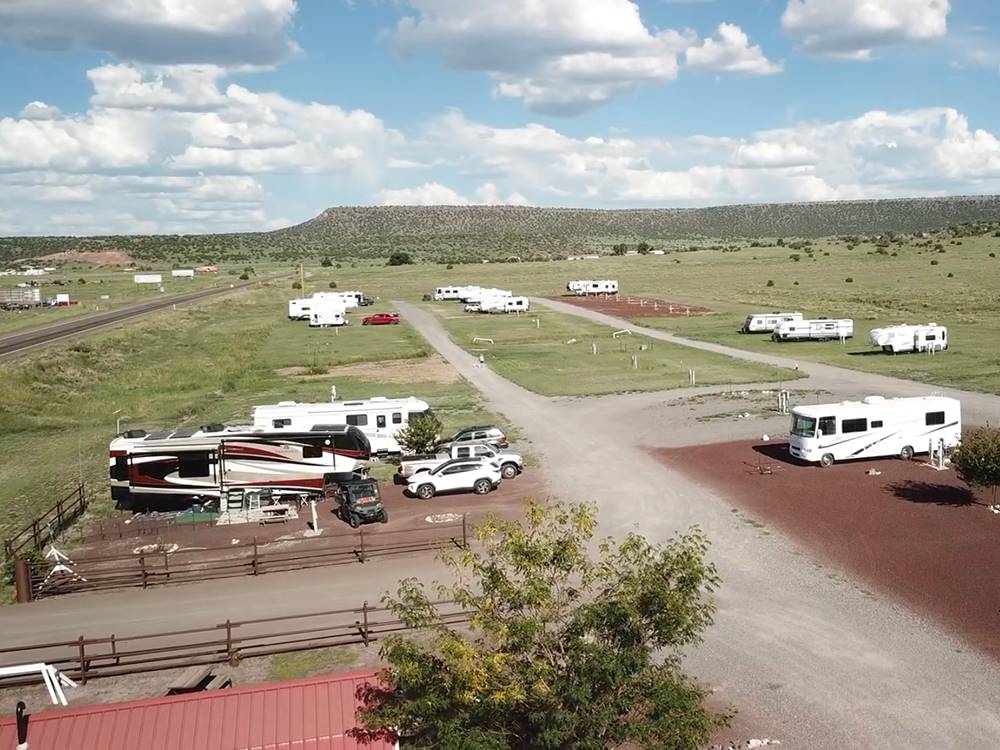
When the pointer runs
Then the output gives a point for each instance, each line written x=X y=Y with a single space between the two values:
x=814 y=330
x=379 y=418
x=447 y=292
x=326 y=316
x=874 y=428
x=147 y=278
x=342 y=299
x=516 y=304
x=299 y=309
x=590 y=286
x=465 y=293
x=906 y=338
x=183 y=273
x=768 y=322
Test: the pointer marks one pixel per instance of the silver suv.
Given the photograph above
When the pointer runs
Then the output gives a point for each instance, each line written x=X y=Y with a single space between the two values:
x=479 y=434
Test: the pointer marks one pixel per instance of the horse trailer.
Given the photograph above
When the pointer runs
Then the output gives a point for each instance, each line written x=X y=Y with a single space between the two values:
x=814 y=330
x=907 y=338
x=875 y=427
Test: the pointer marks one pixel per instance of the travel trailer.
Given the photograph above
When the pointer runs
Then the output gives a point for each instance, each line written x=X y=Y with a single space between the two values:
x=874 y=428
x=148 y=278
x=299 y=309
x=814 y=330
x=906 y=338
x=379 y=418
x=170 y=469
x=327 y=316
x=447 y=293
x=183 y=273
x=480 y=295
x=768 y=322
x=588 y=286
x=516 y=304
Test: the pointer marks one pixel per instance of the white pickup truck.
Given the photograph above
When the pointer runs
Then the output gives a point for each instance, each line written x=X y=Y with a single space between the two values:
x=510 y=464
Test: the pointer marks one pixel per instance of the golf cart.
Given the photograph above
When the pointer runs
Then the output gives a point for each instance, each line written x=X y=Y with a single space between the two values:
x=358 y=501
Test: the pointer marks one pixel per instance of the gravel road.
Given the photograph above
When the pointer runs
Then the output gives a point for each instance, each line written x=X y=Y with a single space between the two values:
x=810 y=658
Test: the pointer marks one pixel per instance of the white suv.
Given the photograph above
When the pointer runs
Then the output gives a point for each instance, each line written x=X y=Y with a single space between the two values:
x=458 y=475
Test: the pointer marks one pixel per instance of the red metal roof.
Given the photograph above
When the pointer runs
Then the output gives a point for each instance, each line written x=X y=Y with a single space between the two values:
x=309 y=714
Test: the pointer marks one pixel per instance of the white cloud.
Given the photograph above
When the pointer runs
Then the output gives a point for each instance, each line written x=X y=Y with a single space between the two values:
x=436 y=194
x=225 y=32
x=855 y=28
x=730 y=51
x=567 y=56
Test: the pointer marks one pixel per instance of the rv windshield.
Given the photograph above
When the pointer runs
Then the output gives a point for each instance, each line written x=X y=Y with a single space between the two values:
x=803 y=426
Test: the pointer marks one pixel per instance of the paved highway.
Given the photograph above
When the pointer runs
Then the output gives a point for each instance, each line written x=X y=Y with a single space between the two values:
x=22 y=342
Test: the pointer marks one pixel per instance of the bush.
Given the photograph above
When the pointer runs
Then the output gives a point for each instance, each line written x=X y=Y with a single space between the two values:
x=399 y=258
x=795 y=283
x=296 y=285
x=934 y=262
x=951 y=275
x=770 y=282
x=244 y=276
x=81 y=281
x=849 y=280
x=977 y=461
x=333 y=284
x=326 y=262
x=993 y=255
x=420 y=435
x=795 y=256
x=450 y=266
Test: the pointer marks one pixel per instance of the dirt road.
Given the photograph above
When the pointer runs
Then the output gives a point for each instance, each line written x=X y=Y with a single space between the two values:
x=811 y=658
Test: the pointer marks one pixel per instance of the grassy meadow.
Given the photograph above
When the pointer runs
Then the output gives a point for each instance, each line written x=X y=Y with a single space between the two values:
x=553 y=354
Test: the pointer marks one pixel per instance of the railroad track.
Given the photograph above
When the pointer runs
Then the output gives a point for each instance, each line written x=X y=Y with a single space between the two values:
x=22 y=342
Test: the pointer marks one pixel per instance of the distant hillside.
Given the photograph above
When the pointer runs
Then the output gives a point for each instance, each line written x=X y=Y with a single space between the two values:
x=466 y=232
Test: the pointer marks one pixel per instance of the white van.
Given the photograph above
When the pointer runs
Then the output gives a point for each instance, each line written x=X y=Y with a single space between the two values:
x=768 y=322
x=874 y=428
x=814 y=330
x=906 y=338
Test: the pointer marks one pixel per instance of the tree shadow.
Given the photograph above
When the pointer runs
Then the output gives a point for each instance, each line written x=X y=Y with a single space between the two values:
x=932 y=493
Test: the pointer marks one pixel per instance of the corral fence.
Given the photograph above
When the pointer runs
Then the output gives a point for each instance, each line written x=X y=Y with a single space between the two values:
x=88 y=657
x=128 y=526
x=48 y=526
x=157 y=564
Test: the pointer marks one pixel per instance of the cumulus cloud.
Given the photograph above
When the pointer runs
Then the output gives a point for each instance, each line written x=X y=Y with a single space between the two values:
x=223 y=32
x=436 y=194
x=855 y=28
x=730 y=51
x=878 y=154
x=567 y=56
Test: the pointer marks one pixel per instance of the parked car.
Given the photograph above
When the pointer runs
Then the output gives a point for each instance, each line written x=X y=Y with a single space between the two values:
x=511 y=464
x=359 y=501
x=479 y=434
x=381 y=319
x=459 y=475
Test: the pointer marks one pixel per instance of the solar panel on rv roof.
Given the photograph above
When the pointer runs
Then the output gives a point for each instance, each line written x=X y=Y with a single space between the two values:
x=182 y=434
x=158 y=435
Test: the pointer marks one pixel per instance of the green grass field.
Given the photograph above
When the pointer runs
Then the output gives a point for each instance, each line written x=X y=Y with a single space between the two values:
x=553 y=354
x=883 y=289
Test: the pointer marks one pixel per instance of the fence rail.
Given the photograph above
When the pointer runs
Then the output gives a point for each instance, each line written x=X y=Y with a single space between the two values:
x=49 y=525
x=248 y=559
x=86 y=657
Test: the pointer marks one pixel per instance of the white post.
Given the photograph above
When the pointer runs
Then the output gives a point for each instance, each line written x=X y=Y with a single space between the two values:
x=536 y=322
x=635 y=362
x=593 y=348
x=315 y=518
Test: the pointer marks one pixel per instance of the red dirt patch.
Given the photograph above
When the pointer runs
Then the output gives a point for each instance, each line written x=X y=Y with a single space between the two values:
x=625 y=306
x=912 y=532
x=106 y=258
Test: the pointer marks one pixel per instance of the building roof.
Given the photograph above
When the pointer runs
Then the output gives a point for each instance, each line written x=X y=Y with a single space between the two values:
x=309 y=714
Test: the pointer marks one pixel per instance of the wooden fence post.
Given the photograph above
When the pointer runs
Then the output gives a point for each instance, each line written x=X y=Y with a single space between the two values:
x=364 y=619
x=166 y=564
x=361 y=533
x=230 y=656
x=34 y=533
x=114 y=650
x=255 y=559
x=83 y=660
x=23 y=590
x=465 y=532
x=142 y=565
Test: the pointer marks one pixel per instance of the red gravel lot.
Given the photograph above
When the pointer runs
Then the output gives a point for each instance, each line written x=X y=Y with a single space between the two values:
x=914 y=533
x=626 y=306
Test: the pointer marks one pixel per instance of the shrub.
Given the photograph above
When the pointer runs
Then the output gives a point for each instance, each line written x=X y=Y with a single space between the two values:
x=244 y=276
x=296 y=285
x=326 y=262
x=993 y=255
x=398 y=258
x=951 y=275
x=450 y=266
x=849 y=280
x=795 y=283
x=826 y=253
x=333 y=284
x=420 y=435
x=770 y=282
x=795 y=256
x=934 y=262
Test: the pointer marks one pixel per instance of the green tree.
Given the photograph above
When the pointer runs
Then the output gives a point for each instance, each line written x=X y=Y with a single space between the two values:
x=399 y=258
x=420 y=435
x=296 y=285
x=977 y=460
x=643 y=248
x=563 y=649
x=333 y=284
x=619 y=249
x=326 y=262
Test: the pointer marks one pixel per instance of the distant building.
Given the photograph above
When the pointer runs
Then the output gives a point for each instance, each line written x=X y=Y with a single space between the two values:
x=147 y=278
x=183 y=273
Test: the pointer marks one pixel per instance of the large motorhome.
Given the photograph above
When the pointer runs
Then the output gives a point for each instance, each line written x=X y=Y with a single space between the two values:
x=581 y=287
x=379 y=418
x=814 y=330
x=768 y=322
x=170 y=469
x=874 y=428
x=906 y=338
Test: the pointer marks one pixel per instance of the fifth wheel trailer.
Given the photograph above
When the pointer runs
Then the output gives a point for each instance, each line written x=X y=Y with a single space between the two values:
x=907 y=338
x=814 y=330
x=875 y=427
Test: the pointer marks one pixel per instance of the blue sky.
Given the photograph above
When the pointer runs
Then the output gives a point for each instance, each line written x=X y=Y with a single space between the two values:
x=171 y=116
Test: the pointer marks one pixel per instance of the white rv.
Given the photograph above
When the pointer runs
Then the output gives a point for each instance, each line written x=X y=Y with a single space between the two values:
x=299 y=309
x=447 y=292
x=874 y=428
x=379 y=418
x=326 y=316
x=906 y=338
x=581 y=287
x=516 y=304
x=814 y=330
x=465 y=293
x=768 y=322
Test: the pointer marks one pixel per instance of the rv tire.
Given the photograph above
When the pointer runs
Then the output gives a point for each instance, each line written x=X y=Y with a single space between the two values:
x=826 y=460
x=907 y=453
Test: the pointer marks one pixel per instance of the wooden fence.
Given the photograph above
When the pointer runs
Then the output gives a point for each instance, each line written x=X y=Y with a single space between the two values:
x=87 y=657
x=160 y=566
x=48 y=526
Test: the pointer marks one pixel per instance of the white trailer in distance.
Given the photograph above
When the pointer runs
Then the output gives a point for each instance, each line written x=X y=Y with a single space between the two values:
x=768 y=322
x=379 y=418
x=582 y=287
x=907 y=338
x=327 y=316
x=821 y=329
x=447 y=293
x=875 y=427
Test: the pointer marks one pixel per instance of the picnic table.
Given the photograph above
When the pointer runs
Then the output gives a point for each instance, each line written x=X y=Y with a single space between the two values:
x=191 y=680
